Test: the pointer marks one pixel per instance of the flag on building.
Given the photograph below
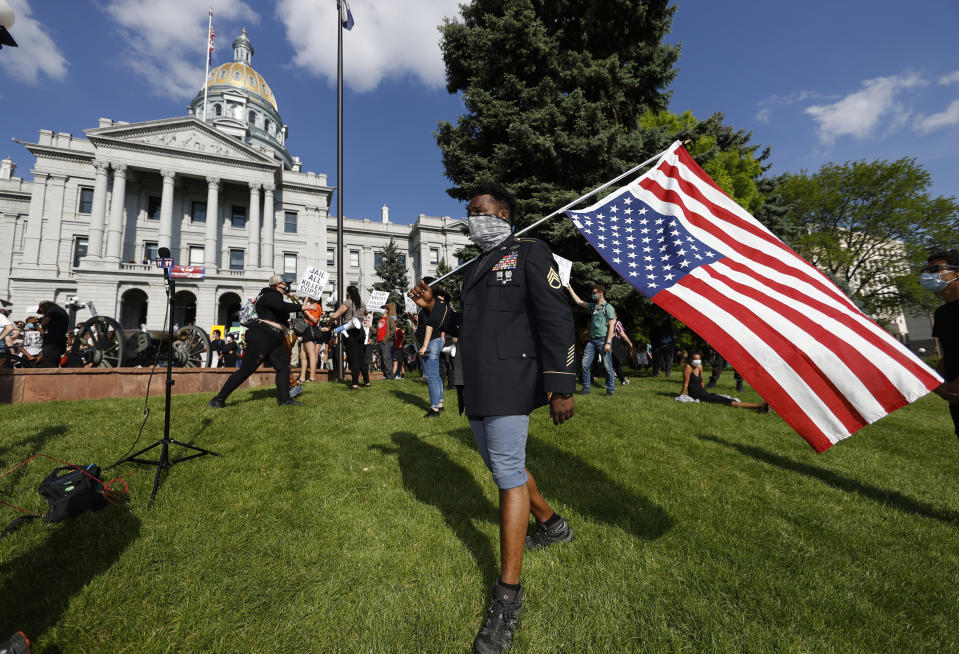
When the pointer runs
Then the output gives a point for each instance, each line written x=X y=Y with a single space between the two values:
x=346 y=15
x=822 y=364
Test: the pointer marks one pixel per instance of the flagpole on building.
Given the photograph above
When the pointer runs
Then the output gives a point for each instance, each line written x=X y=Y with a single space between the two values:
x=339 y=176
x=206 y=76
x=563 y=208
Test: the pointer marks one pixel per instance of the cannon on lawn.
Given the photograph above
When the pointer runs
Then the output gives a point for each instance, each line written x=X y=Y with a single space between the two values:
x=102 y=343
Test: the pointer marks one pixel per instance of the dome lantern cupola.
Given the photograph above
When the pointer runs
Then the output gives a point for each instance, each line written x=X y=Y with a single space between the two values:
x=242 y=48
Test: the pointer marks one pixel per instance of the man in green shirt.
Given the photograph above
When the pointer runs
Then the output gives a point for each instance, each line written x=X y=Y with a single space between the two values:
x=602 y=323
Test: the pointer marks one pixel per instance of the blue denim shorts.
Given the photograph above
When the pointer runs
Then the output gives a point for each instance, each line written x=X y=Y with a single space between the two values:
x=501 y=441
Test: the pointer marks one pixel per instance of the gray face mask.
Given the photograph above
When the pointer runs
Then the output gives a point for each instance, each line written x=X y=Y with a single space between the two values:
x=487 y=231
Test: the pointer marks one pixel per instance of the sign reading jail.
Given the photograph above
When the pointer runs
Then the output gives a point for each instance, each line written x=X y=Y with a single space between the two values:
x=312 y=283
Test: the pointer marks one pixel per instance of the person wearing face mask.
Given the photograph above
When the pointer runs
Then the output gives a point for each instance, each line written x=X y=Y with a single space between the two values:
x=941 y=275
x=602 y=327
x=515 y=352
x=694 y=388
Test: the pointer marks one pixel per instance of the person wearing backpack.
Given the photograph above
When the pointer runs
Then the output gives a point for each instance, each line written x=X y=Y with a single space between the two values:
x=602 y=325
x=266 y=340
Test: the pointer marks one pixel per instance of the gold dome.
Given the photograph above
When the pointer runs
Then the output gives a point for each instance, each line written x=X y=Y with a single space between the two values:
x=242 y=76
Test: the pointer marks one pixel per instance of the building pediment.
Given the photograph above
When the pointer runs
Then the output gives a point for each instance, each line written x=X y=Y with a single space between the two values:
x=178 y=136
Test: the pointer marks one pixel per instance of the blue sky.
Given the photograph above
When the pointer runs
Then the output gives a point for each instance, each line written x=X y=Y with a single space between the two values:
x=816 y=81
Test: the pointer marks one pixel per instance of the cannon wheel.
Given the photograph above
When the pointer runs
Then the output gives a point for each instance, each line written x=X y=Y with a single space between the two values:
x=191 y=348
x=99 y=342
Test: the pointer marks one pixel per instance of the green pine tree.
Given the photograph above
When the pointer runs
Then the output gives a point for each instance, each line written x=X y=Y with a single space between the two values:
x=392 y=273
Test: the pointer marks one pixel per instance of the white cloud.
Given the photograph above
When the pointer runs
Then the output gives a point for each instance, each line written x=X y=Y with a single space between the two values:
x=165 y=39
x=390 y=39
x=937 y=121
x=772 y=102
x=949 y=78
x=859 y=114
x=37 y=53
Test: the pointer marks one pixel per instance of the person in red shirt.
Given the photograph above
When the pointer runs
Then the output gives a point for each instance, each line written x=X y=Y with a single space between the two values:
x=399 y=342
x=384 y=343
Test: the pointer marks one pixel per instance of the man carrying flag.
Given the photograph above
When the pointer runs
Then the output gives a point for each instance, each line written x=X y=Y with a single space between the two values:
x=517 y=349
x=822 y=364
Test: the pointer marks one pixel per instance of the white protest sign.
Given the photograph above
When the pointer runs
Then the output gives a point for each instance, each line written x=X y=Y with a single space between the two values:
x=377 y=300
x=312 y=283
x=92 y=308
x=410 y=305
x=564 y=267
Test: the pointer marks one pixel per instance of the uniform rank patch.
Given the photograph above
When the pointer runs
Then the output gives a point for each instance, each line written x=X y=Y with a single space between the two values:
x=553 y=278
x=506 y=263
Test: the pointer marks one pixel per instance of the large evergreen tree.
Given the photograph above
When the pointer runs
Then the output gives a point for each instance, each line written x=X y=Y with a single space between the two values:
x=392 y=273
x=552 y=89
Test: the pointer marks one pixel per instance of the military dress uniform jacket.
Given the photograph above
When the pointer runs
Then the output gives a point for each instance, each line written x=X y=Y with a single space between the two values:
x=516 y=338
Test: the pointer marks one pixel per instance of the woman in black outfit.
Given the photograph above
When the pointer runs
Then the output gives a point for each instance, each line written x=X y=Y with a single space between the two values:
x=266 y=340
x=694 y=388
x=353 y=308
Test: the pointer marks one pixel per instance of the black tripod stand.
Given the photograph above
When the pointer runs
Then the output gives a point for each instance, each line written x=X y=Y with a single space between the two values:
x=164 y=443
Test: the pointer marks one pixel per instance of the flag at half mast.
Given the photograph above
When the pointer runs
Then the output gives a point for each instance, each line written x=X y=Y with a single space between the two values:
x=820 y=362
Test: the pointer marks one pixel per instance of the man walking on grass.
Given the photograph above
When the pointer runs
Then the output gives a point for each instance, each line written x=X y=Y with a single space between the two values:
x=602 y=325
x=516 y=348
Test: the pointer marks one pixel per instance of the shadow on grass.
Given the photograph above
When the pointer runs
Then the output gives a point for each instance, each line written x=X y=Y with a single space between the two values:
x=39 y=584
x=566 y=478
x=434 y=479
x=419 y=401
x=34 y=442
x=260 y=394
x=895 y=499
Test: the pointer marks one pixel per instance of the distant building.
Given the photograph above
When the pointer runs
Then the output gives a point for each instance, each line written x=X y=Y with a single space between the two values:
x=218 y=187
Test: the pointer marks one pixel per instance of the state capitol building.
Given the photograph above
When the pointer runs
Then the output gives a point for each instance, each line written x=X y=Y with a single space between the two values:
x=220 y=191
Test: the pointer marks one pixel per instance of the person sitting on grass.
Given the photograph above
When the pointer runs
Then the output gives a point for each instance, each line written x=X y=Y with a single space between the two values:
x=694 y=388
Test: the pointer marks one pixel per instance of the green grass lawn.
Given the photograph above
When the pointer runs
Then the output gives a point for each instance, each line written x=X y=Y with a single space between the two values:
x=354 y=525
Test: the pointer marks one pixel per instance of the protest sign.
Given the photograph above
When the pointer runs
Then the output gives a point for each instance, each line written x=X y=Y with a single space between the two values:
x=410 y=305
x=377 y=300
x=563 y=268
x=312 y=283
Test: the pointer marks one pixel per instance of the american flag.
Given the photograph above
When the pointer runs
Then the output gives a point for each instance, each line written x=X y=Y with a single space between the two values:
x=822 y=364
x=210 y=54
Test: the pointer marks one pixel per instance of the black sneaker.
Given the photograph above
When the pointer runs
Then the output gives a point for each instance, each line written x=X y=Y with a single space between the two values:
x=582 y=392
x=216 y=403
x=291 y=402
x=545 y=536
x=432 y=413
x=502 y=619
x=710 y=385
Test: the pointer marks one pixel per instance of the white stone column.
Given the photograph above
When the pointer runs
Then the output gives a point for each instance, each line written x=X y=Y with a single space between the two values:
x=269 y=227
x=165 y=238
x=253 y=244
x=99 y=211
x=31 y=245
x=117 y=202
x=212 y=224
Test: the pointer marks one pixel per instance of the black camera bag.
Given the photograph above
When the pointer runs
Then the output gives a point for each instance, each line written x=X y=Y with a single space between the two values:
x=71 y=490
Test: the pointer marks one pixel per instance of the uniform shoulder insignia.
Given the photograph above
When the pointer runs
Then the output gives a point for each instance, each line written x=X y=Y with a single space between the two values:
x=552 y=277
x=525 y=240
